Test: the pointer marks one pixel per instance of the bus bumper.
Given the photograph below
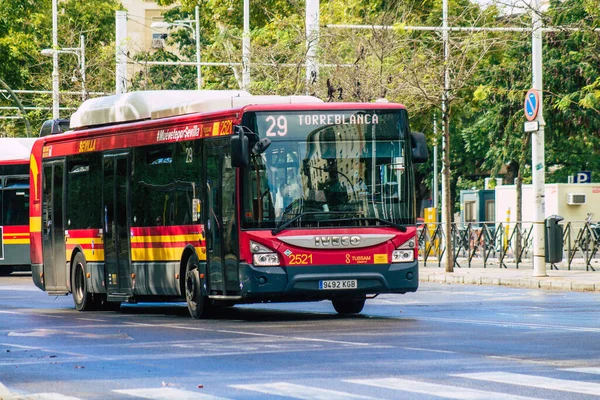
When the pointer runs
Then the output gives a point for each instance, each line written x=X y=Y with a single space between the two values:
x=36 y=275
x=302 y=282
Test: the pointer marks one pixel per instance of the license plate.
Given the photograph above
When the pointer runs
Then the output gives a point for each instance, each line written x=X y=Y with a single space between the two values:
x=338 y=284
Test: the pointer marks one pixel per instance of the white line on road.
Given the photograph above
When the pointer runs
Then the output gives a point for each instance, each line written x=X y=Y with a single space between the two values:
x=6 y=394
x=31 y=313
x=540 y=382
x=585 y=370
x=513 y=324
x=299 y=391
x=91 y=319
x=168 y=394
x=192 y=328
x=434 y=389
x=48 y=396
x=21 y=347
x=430 y=350
x=3 y=390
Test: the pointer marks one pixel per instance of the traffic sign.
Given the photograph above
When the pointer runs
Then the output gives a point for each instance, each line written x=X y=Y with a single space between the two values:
x=583 y=177
x=532 y=104
x=531 y=126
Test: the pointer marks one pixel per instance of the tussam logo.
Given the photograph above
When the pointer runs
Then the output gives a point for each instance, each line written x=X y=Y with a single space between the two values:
x=164 y=135
x=338 y=241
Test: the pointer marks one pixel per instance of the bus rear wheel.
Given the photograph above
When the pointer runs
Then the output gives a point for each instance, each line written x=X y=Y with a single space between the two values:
x=81 y=297
x=197 y=303
x=348 y=305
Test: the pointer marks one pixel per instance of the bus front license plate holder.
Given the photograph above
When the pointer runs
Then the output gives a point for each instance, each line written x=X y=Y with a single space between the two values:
x=345 y=284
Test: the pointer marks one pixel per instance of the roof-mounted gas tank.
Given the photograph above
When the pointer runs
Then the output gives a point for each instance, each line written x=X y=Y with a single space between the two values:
x=137 y=106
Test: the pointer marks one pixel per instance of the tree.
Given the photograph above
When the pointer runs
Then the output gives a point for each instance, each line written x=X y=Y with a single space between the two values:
x=26 y=29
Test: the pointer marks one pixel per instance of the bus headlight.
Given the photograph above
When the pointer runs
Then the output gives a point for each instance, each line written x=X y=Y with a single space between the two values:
x=265 y=259
x=403 y=255
x=406 y=252
x=263 y=256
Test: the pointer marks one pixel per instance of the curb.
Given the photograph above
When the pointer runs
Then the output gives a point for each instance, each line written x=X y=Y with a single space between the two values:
x=546 y=283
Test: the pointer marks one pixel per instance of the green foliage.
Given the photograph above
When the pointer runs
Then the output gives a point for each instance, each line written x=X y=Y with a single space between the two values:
x=26 y=29
x=489 y=71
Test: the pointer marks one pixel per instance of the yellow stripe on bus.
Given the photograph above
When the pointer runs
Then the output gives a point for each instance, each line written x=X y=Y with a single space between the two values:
x=165 y=238
x=161 y=254
x=96 y=255
x=96 y=240
x=16 y=241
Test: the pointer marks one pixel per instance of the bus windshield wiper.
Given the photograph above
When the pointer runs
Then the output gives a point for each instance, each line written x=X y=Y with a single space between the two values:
x=304 y=214
x=281 y=227
x=401 y=228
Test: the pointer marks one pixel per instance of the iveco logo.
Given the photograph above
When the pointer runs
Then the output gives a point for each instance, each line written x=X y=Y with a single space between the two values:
x=344 y=241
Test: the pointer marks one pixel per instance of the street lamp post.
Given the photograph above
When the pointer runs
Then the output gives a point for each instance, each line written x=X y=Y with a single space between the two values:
x=80 y=53
x=187 y=23
x=55 y=85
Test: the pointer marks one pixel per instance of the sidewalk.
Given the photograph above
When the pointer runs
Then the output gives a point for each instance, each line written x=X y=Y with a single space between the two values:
x=577 y=279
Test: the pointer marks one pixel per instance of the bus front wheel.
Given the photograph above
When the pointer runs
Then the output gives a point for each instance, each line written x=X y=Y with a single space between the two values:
x=352 y=305
x=81 y=297
x=196 y=302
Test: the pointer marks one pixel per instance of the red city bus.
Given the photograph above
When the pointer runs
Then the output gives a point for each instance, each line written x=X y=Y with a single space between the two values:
x=220 y=197
x=14 y=204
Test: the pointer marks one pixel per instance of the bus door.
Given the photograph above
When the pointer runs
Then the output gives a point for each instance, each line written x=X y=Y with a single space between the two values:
x=116 y=227
x=56 y=268
x=221 y=230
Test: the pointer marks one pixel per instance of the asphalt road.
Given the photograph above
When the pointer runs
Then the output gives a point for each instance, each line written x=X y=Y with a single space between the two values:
x=445 y=341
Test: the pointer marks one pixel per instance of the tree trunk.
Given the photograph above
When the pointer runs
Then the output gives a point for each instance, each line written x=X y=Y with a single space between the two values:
x=447 y=198
x=519 y=214
x=519 y=189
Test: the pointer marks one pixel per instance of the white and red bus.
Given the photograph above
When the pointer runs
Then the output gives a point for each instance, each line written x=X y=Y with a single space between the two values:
x=220 y=197
x=14 y=204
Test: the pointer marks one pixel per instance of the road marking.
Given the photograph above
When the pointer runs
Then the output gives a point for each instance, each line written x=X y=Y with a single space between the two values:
x=508 y=324
x=434 y=389
x=267 y=335
x=32 y=313
x=3 y=390
x=430 y=350
x=585 y=370
x=299 y=391
x=18 y=346
x=48 y=396
x=77 y=334
x=91 y=319
x=168 y=394
x=7 y=394
x=541 y=382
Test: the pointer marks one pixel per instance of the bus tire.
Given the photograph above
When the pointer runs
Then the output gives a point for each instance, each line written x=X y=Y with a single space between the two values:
x=348 y=305
x=198 y=305
x=81 y=297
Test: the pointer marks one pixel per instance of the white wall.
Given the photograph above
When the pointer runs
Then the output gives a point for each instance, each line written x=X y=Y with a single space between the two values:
x=555 y=199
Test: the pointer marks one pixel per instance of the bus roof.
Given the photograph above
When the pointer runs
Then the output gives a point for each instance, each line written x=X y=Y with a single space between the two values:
x=143 y=105
x=15 y=149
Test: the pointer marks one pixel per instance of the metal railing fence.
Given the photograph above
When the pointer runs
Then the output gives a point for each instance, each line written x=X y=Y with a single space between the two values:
x=504 y=243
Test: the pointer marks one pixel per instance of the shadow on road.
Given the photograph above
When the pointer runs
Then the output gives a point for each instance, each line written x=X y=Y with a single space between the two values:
x=238 y=313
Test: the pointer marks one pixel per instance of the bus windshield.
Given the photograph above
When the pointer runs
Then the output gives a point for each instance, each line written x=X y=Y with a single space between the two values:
x=326 y=169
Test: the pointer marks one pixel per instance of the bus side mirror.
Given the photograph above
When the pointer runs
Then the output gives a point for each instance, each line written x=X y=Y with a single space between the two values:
x=420 y=153
x=240 y=154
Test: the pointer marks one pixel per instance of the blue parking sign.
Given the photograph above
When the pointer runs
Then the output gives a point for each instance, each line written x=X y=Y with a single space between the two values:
x=583 y=177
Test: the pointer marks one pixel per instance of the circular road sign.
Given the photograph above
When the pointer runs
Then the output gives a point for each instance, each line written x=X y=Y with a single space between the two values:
x=532 y=104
